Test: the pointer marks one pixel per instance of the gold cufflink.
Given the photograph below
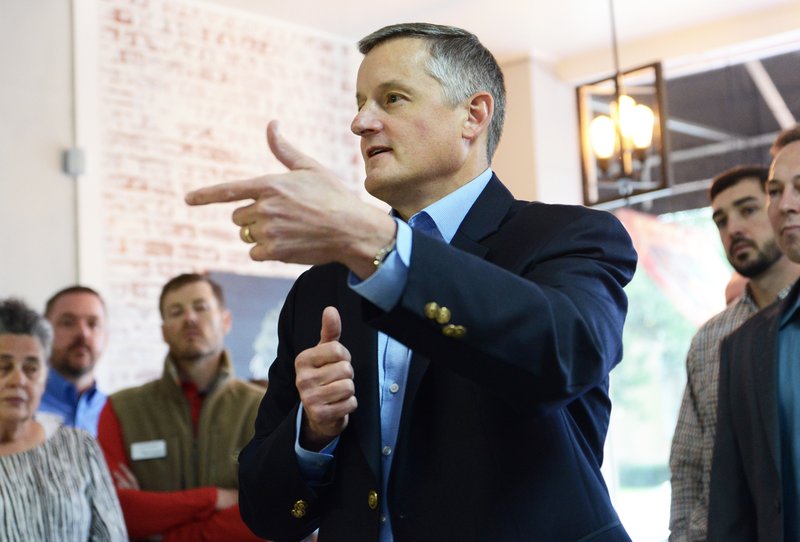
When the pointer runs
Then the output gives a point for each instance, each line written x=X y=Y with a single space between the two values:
x=443 y=316
x=431 y=310
x=453 y=331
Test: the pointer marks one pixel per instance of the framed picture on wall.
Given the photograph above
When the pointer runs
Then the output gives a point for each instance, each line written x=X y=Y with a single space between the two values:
x=255 y=303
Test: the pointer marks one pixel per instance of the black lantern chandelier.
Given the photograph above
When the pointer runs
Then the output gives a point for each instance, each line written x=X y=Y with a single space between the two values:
x=621 y=120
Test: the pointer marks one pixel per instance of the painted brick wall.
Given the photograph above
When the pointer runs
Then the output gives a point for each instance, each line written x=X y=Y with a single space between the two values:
x=185 y=92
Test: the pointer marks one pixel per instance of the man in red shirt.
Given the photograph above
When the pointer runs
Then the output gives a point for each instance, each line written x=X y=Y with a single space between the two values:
x=172 y=444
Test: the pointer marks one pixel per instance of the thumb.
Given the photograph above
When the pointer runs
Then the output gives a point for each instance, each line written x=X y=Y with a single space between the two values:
x=331 y=325
x=285 y=152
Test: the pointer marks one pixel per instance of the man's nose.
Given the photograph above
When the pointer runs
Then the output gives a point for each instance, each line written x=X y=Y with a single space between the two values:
x=735 y=227
x=190 y=315
x=366 y=121
x=789 y=201
x=85 y=329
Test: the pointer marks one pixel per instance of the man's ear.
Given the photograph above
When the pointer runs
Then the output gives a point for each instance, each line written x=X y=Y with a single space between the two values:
x=480 y=108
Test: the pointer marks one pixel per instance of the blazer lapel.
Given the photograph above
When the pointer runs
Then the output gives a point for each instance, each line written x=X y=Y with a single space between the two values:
x=361 y=341
x=765 y=386
x=765 y=382
x=484 y=218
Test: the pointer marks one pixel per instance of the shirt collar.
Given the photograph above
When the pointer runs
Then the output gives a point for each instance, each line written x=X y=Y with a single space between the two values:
x=60 y=387
x=791 y=310
x=225 y=371
x=449 y=212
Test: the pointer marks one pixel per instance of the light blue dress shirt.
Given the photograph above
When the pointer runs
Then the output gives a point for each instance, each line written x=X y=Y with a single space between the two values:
x=81 y=410
x=788 y=382
x=384 y=289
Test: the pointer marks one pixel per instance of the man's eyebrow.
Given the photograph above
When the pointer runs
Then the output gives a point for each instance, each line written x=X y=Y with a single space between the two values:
x=390 y=84
x=742 y=201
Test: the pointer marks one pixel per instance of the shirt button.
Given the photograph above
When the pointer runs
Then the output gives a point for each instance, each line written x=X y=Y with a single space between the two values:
x=383 y=518
x=394 y=388
x=387 y=450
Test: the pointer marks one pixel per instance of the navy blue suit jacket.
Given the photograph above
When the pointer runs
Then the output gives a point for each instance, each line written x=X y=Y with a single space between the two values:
x=502 y=430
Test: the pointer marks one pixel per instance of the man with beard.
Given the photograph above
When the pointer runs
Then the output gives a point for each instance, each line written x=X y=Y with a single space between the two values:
x=739 y=205
x=78 y=317
x=171 y=444
x=755 y=474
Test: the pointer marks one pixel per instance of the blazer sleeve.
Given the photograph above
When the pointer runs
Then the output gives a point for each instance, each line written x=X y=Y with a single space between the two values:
x=542 y=312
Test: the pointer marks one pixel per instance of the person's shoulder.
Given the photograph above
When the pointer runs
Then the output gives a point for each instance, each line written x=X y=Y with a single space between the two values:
x=72 y=438
x=727 y=320
x=540 y=208
x=558 y=217
x=243 y=387
x=135 y=392
x=754 y=330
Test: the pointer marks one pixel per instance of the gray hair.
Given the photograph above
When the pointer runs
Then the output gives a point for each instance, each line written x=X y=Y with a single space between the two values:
x=459 y=61
x=16 y=318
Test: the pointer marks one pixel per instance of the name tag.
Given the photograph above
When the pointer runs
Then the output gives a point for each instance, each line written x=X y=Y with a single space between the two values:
x=149 y=449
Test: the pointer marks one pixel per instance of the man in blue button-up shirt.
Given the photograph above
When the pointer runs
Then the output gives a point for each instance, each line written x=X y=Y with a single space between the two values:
x=78 y=316
x=442 y=371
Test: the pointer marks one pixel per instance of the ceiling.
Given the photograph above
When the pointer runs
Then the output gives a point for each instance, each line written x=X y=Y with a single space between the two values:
x=717 y=117
x=546 y=29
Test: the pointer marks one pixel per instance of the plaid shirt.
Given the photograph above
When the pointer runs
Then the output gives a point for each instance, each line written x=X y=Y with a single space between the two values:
x=693 y=441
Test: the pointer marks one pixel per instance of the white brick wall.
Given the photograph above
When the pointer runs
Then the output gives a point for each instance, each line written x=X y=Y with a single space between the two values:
x=185 y=91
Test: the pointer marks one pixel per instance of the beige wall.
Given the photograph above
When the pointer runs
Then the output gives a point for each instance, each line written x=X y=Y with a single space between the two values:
x=37 y=201
x=536 y=158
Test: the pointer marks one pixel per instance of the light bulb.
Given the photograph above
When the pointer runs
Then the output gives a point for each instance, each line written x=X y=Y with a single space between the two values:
x=602 y=136
x=642 y=121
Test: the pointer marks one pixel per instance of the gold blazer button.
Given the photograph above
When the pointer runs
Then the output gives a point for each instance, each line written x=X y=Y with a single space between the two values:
x=372 y=499
x=299 y=509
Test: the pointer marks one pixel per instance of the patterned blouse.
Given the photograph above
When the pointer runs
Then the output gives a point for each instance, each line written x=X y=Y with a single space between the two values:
x=60 y=490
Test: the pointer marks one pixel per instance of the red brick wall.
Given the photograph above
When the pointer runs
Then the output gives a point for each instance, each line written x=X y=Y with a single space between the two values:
x=185 y=91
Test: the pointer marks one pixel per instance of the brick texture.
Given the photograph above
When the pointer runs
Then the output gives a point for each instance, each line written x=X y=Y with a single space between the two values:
x=185 y=92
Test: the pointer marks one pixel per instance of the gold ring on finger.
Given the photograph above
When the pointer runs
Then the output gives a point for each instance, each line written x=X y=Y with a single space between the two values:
x=246 y=236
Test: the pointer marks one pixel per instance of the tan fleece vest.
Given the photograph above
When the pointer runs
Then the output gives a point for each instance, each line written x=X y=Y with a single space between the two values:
x=158 y=411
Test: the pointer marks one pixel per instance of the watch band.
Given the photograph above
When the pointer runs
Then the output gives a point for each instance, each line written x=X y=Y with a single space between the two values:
x=383 y=253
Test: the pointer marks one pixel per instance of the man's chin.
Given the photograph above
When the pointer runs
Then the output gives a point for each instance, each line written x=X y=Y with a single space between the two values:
x=191 y=355
x=73 y=370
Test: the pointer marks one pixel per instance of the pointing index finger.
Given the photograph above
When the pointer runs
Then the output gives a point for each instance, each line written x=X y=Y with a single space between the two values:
x=227 y=192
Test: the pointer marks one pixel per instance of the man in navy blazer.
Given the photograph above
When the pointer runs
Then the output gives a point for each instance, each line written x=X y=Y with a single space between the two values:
x=755 y=470
x=442 y=372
